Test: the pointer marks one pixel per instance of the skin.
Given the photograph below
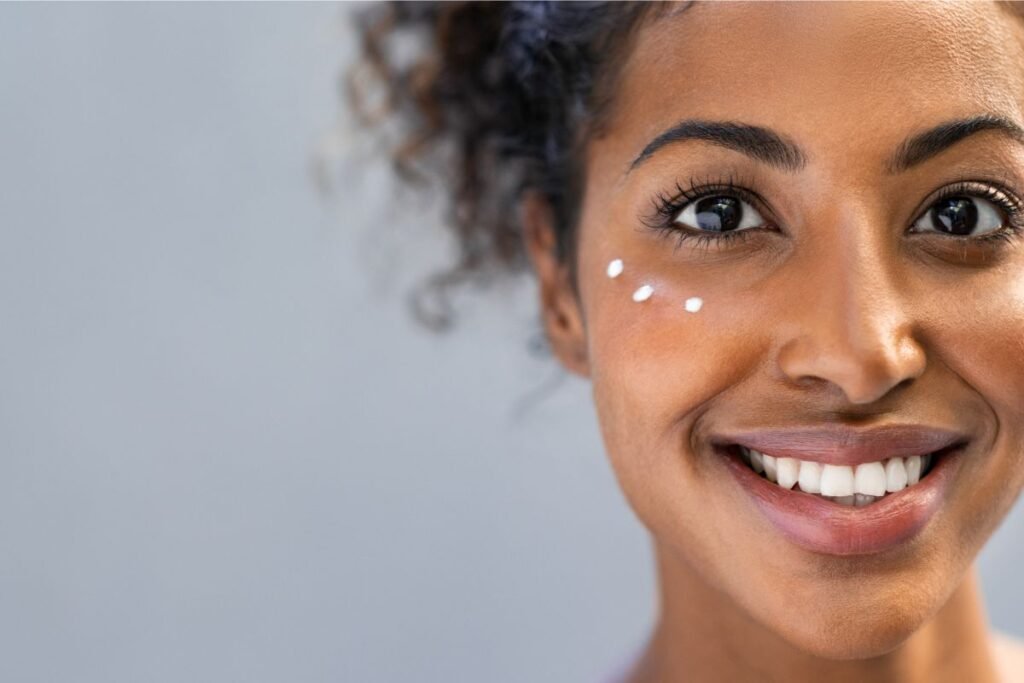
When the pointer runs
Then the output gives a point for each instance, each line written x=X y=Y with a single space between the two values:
x=838 y=313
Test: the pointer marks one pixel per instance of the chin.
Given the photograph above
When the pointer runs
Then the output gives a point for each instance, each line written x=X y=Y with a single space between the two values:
x=846 y=638
x=856 y=620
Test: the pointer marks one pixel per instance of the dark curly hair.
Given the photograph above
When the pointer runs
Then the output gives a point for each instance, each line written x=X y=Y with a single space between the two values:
x=502 y=98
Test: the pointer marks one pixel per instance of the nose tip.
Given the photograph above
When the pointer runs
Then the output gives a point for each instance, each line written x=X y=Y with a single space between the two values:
x=863 y=370
x=865 y=366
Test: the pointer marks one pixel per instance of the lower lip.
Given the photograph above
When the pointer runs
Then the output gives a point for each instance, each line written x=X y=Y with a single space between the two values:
x=823 y=526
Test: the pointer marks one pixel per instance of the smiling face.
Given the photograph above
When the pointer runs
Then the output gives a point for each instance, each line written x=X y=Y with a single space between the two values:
x=842 y=302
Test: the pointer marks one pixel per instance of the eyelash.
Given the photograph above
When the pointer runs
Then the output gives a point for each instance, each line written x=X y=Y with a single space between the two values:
x=1002 y=198
x=667 y=208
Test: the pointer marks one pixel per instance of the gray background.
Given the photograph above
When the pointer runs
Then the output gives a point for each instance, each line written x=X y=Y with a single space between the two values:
x=229 y=454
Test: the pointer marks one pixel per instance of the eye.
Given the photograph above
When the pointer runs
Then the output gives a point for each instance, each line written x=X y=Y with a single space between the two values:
x=719 y=213
x=963 y=215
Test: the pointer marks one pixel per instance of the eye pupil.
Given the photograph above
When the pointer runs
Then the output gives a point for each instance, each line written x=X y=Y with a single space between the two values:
x=718 y=214
x=957 y=215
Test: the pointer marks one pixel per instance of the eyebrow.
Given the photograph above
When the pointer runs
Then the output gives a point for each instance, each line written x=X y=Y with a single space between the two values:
x=924 y=146
x=762 y=144
x=769 y=147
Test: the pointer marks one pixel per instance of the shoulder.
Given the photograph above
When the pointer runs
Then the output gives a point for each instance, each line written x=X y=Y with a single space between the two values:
x=1009 y=652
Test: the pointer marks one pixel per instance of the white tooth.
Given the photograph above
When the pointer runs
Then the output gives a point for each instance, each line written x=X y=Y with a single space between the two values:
x=810 y=477
x=869 y=479
x=769 y=466
x=914 y=465
x=843 y=500
x=895 y=475
x=860 y=500
x=837 y=480
x=788 y=472
x=756 y=461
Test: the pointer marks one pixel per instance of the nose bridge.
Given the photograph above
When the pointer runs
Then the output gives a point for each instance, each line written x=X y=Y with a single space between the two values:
x=852 y=329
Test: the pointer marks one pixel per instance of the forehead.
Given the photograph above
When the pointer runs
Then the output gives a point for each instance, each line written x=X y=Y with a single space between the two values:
x=838 y=78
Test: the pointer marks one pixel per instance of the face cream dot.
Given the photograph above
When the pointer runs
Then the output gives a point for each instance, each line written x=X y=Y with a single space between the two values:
x=615 y=268
x=643 y=294
x=694 y=303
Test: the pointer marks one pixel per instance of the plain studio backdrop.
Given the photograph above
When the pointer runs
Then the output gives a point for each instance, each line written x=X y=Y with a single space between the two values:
x=229 y=453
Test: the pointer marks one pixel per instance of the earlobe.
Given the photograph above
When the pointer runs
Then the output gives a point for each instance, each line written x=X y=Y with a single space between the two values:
x=560 y=307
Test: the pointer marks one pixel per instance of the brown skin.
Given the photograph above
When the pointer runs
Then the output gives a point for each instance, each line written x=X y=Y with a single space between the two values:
x=839 y=314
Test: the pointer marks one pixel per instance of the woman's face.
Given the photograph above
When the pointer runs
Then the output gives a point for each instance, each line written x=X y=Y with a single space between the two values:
x=844 y=303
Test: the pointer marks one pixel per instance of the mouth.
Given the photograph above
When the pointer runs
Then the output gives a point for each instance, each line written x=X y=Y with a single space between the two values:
x=849 y=485
x=843 y=509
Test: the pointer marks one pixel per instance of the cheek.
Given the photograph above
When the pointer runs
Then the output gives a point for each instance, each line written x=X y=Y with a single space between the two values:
x=977 y=332
x=654 y=363
x=984 y=341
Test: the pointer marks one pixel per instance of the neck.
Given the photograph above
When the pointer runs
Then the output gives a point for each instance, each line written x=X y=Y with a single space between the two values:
x=701 y=635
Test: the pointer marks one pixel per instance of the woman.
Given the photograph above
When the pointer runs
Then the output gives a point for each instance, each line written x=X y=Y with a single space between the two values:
x=785 y=243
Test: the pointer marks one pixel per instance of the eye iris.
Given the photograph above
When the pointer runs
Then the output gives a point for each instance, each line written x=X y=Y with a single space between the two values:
x=957 y=215
x=718 y=214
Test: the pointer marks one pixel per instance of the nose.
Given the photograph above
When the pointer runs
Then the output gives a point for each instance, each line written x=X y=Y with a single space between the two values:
x=851 y=327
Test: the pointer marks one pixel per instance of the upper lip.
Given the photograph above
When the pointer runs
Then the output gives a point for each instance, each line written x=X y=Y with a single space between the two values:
x=842 y=445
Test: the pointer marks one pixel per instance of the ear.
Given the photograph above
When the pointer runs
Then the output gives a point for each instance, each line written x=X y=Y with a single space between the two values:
x=560 y=307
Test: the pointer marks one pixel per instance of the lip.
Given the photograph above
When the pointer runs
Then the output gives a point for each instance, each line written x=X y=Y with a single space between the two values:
x=824 y=526
x=842 y=445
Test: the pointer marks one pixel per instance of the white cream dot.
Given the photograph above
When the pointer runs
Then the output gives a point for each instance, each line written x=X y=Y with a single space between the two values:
x=643 y=294
x=615 y=268
x=694 y=303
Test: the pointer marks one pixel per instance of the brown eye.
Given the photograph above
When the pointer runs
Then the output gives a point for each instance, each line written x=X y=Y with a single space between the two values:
x=719 y=213
x=962 y=215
